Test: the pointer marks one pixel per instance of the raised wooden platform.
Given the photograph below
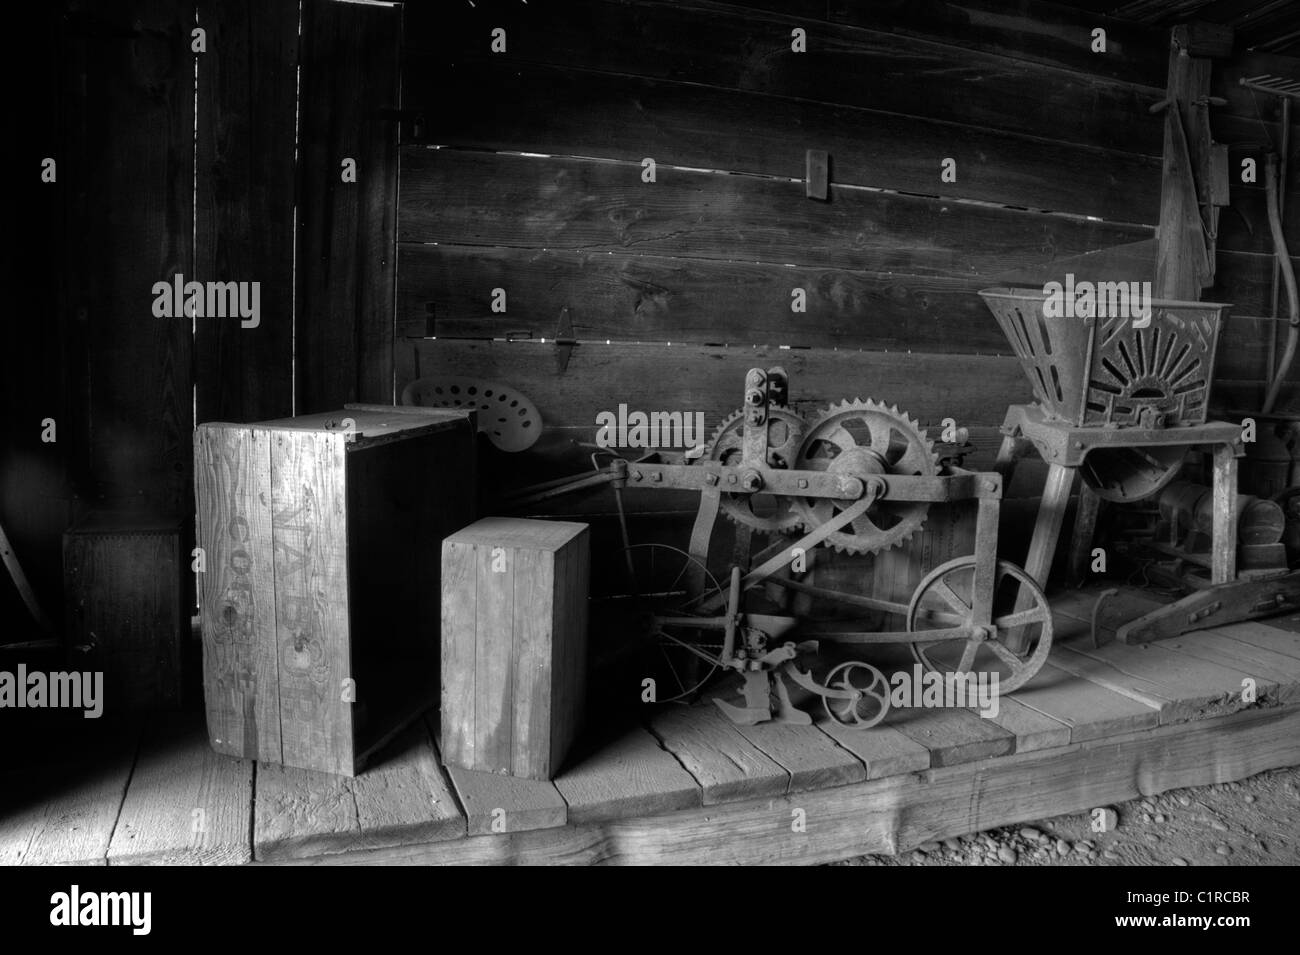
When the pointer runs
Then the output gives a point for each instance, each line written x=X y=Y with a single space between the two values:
x=1096 y=726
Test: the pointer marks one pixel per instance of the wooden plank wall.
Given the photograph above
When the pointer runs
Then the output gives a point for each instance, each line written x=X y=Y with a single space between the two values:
x=531 y=182
x=34 y=493
x=1250 y=125
x=521 y=170
x=172 y=161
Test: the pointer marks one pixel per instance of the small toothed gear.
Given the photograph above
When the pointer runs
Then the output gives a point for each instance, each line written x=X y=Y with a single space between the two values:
x=785 y=430
x=861 y=438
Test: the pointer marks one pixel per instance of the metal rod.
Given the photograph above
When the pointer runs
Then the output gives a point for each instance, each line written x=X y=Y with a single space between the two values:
x=853 y=600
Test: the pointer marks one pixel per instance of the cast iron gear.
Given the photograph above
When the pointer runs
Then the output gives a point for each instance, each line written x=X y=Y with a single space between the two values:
x=862 y=438
x=785 y=430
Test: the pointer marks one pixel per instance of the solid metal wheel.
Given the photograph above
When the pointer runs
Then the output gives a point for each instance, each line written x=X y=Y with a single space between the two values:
x=870 y=703
x=944 y=599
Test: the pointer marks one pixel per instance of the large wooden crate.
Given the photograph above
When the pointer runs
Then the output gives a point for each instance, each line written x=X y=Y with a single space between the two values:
x=514 y=644
x=320 y=597
x=128 y=607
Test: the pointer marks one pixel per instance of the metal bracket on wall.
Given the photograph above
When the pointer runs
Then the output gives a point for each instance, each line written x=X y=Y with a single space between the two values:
x=564 y=341
x=817 y=164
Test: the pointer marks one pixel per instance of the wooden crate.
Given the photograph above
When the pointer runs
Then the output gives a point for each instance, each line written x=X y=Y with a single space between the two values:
x=127 y=607
x=514 y=644
x=320 y=599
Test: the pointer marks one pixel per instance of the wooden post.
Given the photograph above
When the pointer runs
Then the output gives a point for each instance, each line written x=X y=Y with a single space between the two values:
x=1047 y=529
x=1184 y=258
x=1223 y=566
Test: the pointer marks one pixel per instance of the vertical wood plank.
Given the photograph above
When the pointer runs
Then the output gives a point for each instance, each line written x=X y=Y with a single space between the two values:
x=138 y=180
x=569 y=674
x=244 y=179
x=459 y=608
x=42 y=365
x=240 y=663
x=350 y=72
x=1182 y=267
x=532 y=703
x=309 y=534
x=493 y=653
x=1223 y=560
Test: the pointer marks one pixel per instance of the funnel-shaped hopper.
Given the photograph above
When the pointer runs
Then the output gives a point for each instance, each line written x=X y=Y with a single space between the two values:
x=1106 y=360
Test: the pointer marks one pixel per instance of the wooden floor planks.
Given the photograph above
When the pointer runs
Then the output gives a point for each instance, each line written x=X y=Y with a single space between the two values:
x=1134 y=717
x=64 y=812
x=896 y=814
x=403 y=796
x=186 y=804
x=725 y=764
x=1090 y=711
x=627 y=775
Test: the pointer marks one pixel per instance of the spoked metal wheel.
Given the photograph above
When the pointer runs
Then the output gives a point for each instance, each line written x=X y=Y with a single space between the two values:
x=869 y=703
x=1021 y=620
x=680 y=657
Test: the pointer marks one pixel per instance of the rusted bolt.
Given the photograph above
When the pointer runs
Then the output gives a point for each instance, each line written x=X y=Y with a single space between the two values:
x=656 y=477
x=711 y=480
x=751 y=481
x=803 y=483
x=637 y=475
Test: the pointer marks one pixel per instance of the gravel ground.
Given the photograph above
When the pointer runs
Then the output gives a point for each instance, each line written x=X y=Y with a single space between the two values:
x=1252 y=822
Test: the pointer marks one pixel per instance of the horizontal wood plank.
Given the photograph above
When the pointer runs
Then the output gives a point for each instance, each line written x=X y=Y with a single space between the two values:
x=476 y=198
x=495 y=802
x=1089 y=710
x=953 y=736
x=718 y=46
x=629 y=774
x=726 y=765
x=664 y=298
x=884 y=750
x=699 y=378
x=1052 y=34
x=561 y=111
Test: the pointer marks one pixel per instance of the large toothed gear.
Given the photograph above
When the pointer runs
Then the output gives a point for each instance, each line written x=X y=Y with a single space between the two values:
x=861 y=439
x=785 y=430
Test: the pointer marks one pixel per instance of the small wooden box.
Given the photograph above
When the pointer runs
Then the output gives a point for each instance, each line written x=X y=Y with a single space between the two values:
x=127 y=609
x=320 y=599
x=514 y=644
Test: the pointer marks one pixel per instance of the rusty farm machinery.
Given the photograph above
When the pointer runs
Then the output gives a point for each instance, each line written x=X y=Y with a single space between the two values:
x=859 y=478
